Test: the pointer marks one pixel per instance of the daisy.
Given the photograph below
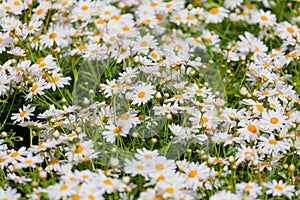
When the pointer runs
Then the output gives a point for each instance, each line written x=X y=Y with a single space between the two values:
x=252 y=188
x=62 y=190
x=56 y=80
x=23 y=114
x=271 y=145
x=264 y=19
x=279 y=188
x=143 y=43
x=143 y=93
x=287 y=31
x=249 y=130
x=29 y=161
x=83 y=151
x=9 y=193
x=273 y=120
x=15 y=6
x=216 y=15
x=112 y=132
x=246 y=153
x=37 y=87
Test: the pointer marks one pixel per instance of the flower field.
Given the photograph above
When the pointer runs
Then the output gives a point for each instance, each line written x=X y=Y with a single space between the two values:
x=149 y=99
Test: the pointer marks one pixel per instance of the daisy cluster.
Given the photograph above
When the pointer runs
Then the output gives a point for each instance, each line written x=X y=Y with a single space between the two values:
x=148 y=100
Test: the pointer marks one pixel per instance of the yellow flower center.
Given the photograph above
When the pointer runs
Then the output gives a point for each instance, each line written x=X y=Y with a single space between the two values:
x=274 y=120
x=141 y=94
x=63 y=187
x=79 y=149
x=273 y=142
x=159 y=166
x=192 y=173
x=117 y=130
x=252 y=128
x=278 y=187
x=107 y=182
x=52 y=35
x=214 y=11
x=264 y=18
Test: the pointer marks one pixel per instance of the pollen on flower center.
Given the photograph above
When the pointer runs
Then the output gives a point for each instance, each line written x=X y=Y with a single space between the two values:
x=170 y=190
x=252 y=128
x=290 y=29
x=23 y=113
x=84 y=8
x=264 y=18
x=52 y=35
x=63 y=187
x=107 y=182
x=34 y=88
x=273 y=142
x=79 y=149
x=141 y=94
x=159 y=166
x=214 y=11
x=274 y=120
x=247 y=187
x=54 y=80
x=144 y=43
x=278 y=187
x=17 y=3
x=28 y=161
x=192 y=173
x=139 y=167
x=39 y=11
x=117 y=130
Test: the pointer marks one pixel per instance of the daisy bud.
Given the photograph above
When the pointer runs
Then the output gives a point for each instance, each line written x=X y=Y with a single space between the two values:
x=34 y=183
x=229 y=187
x=78 y=130
x=42 y=174
x=198 y=151
x=206 y=84
x=121 y=5
x=189 y=150
x=153 y=140
x=259 y=152
x=169 y=116
x=228 y=71
x=243 y=57
x=285 y=166
x=254 y=94
x=56 y=134
x=292 y=167
x=128 y=189
x=235 y=166
x=13 y=61
x=21 y=139
x=202 y=110
x=91 y=91
x=113 y=150
x=158 y=95
x=86 y=101
x=114 y=162
x=255 y=163
x=63 y=100
x=135 y=134
x=249 y=96
x=3 y=134
x=231 y=159
x=190 y=7
x=126 y=179
x=204 y=67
